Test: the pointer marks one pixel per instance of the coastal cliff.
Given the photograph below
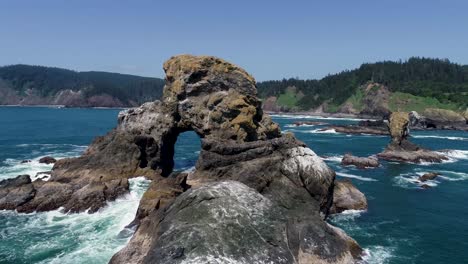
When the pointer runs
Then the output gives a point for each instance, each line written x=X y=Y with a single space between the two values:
x=28 y=85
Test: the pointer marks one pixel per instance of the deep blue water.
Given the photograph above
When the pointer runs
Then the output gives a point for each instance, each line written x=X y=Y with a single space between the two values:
x=404 y=223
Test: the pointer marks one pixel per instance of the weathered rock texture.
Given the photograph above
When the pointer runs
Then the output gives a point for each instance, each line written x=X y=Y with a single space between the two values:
x=400 y=148
x=347 y=197
x=360 y=162
x=258 y=196
x=434 y=118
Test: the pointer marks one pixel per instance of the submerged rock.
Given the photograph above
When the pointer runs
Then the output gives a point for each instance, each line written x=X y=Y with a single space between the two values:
x=347 y=197
x=358 y=129
x=429 y=176
x=47 y=160
x=400 y=148
x=360 y=162
x=309 y=123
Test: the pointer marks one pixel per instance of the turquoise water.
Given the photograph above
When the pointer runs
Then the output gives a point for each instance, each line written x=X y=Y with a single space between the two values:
x=404 y=223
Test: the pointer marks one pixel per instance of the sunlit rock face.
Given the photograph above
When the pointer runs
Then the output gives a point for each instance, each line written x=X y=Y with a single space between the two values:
x=401 y=148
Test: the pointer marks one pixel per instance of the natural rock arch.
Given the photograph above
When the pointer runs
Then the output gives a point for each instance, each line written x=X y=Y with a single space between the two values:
x=244 y=158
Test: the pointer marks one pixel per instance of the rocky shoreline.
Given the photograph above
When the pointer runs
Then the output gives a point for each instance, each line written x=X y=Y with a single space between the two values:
x=256 y=195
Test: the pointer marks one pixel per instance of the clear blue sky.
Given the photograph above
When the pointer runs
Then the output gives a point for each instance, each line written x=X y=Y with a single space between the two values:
x=270 y=39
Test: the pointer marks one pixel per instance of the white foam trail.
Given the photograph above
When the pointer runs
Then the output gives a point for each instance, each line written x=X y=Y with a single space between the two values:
x=377 y=255
x=346 y=175
x=441 y=137
x=337 y=158
x=347 y=215
x=411 y=180
x=303 y=125
x=456 y=154
x=453 y=175
x=321 y=131
x=286 y=116
x=14 y=167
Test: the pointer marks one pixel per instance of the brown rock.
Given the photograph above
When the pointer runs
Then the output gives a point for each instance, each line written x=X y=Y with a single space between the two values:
x=309 y=123
x=47 y=160
x=400 y=148
x=347 y=197
x=362 y=163
x=429 y=176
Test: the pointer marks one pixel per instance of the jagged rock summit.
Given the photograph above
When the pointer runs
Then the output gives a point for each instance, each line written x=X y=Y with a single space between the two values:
x=252 y=188
x=400 y=148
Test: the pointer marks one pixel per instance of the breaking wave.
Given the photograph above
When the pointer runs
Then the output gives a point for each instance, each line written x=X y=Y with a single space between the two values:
x=347 y=175
x=55 y=237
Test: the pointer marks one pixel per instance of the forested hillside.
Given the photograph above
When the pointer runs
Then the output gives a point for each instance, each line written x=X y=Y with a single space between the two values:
x=25 y=84
x=432 y=78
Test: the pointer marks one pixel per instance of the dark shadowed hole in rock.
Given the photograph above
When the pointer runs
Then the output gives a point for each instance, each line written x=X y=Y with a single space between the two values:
x=187 y=149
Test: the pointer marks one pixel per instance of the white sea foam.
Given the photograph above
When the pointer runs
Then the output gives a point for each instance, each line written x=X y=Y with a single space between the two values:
x=321 y=131
x=286 y=116
x=15 y=167
x=377 y=255
x=337 y=158
x=411 y=181
x=302 y=125
x=456 y=154
x=83 y=237
x=440 y=137
x=453 y=175
x=347 y=215
x=347 y=175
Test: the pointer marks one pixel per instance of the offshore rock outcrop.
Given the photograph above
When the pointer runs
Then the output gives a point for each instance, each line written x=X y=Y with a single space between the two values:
x=433 y=118
x=360 y=162
x=251 y=186
x=400 y=148
x=347 y=197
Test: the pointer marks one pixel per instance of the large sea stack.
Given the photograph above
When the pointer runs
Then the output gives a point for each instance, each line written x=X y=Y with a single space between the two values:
x=400 y=148
x=256 y=195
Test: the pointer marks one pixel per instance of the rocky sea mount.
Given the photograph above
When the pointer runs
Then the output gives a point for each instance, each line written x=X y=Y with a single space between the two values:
x=401 y=148
x=255 y=196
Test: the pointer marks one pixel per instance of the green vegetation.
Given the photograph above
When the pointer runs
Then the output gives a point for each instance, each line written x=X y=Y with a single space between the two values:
x=289 y=98
x=407 y=102
x=48 y=81
x=433 y=78
x=357 y=99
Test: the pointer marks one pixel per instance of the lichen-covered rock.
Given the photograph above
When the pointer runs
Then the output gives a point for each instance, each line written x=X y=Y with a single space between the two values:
x=399 y=127
x=347 y=197
x=400 y=148
x=228 y=222
x=360 y=162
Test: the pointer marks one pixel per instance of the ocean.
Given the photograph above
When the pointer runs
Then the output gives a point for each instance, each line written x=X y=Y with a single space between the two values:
x=404 y=223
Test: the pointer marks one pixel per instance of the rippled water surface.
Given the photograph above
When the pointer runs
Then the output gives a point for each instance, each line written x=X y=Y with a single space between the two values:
x=404 y=223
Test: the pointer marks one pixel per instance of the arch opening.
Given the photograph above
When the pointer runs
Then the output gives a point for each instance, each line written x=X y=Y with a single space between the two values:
x=185 y=151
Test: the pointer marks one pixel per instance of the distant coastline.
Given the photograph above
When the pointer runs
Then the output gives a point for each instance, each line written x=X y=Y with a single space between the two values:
x=64 y=106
